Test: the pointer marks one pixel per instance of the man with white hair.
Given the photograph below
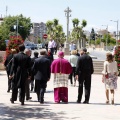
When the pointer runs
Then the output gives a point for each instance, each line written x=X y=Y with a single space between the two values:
x=27 y=87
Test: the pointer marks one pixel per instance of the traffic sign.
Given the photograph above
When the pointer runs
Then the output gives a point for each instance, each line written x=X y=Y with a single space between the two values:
x=45 y=36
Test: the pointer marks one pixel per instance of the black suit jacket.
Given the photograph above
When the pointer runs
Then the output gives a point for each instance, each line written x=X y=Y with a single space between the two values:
x=32 y=63
x=20 y=67
x=8 y=62
x=41 y=69
x=84 y=65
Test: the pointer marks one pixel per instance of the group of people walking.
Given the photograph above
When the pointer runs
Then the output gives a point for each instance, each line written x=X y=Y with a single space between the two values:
x=23 y=70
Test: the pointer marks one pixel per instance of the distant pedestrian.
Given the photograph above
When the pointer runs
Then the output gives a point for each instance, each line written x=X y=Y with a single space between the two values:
x=84 y=69
x=78 y=54
x=51 y=44
x=71 y=46
x=46 y=46
x=61 y=68
x=110 y=76
x=55 y=47
x=50 y=56
x=73 y=61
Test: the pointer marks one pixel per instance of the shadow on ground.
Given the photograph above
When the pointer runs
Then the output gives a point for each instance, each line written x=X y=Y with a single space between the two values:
x=29 y=112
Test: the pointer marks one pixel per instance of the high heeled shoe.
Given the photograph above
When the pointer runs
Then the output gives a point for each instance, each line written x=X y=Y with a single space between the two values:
x=112 y=101
x=107 y=101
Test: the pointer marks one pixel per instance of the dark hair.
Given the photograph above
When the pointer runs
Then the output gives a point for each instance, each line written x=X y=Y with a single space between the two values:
x=109 y=57
x=36 y=54
x=84 y=49
x=21 y=47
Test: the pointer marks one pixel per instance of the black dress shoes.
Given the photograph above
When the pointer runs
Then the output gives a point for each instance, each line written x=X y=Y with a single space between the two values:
x=85 y=102
x=41 y=102
x=22 y=103
x=11 y=100
x=31 y=88
x=78 y=101
x=8 y=91
x=29 y=98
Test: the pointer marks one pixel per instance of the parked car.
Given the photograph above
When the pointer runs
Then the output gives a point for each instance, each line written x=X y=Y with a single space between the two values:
x=43 y=45
x=35 y=46
x=30 y=46
x=39 y=46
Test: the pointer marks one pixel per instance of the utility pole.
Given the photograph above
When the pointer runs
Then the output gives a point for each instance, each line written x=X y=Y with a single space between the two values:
x=6 y=10
x=67 y=14
x=17 y=27
x=117 y=31
x=107 y=35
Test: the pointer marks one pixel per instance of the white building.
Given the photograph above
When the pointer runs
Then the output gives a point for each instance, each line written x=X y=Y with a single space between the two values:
x=39 y=29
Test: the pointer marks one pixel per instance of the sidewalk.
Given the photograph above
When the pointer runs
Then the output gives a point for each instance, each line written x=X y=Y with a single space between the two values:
x=32 y=110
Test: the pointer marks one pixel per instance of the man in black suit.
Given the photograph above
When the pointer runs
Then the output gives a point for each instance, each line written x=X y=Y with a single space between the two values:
x=41 y=69
x=8 y=65
x=19 y=72
x=84 y=69
x=32 y=75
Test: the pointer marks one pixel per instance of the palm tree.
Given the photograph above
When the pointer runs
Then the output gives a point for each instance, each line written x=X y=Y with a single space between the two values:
x=49 y=25
x=78 y=33
x=56 y=30
x=75 y=22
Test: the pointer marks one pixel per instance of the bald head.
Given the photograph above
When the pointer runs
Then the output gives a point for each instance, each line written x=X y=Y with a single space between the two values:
x=27 y=52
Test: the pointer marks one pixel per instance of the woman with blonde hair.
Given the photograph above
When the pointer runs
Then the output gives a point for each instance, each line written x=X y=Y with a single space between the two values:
x=73 y=61
x=110 y=76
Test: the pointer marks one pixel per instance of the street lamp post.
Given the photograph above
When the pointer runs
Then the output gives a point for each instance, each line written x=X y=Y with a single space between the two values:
x=117 y=31
x=67 y=14
x=107 y=35
x=16 y=27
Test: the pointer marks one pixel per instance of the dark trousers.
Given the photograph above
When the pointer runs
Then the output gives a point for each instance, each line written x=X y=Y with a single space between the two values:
x=86 y=80
x=27 y=89
x=72 y=75
x=22 y=94
x=55 y=50
x=40 y=89
x=15 y=93
x=52 y=50
x=9 y=81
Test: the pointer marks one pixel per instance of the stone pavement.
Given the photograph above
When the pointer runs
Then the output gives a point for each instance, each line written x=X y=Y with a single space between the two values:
x=32 y=110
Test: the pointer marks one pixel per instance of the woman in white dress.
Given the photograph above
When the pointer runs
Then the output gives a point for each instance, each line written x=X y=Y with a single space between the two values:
x=110 y=73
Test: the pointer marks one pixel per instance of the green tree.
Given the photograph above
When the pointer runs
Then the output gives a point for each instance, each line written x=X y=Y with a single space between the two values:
x=49 y=25
x=56 y=30
x=78 y=32
x=7 y=28
x=24 y=25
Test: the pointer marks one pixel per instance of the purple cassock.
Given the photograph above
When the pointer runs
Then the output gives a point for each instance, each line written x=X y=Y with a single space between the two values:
x=61 y=69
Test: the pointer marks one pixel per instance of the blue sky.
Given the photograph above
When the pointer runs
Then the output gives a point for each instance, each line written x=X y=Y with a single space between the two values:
x=95 y=12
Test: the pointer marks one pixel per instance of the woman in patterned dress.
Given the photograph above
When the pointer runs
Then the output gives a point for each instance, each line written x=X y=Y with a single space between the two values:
x=110 y=69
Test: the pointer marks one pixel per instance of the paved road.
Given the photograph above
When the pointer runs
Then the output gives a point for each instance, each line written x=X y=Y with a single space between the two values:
x=33 y=110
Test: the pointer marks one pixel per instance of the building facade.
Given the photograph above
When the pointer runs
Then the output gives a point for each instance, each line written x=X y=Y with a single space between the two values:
x=37 y=32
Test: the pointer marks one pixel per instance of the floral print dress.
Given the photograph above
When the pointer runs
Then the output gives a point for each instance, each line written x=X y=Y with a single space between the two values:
x=111 y=69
